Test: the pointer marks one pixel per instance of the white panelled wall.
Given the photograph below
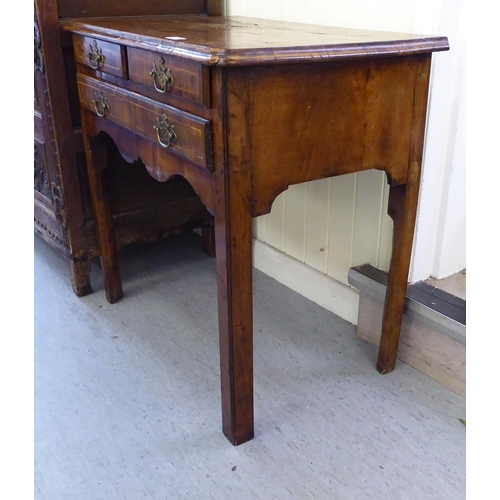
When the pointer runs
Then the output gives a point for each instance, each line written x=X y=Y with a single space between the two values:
x=318 y=230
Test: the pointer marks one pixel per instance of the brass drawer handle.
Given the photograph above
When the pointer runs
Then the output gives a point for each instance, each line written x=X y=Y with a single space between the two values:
x=95 y=56
x=165 y=132
x=100 y=103
x=162 y=77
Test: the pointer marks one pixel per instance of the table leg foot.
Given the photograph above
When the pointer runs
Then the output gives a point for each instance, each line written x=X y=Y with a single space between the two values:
x=80 y=276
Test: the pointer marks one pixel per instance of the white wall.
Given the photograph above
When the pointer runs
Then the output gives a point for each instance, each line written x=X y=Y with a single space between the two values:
x=333 y=224
x=439 y=248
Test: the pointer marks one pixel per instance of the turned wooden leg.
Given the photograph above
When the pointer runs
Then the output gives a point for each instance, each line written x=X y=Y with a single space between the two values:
x=208 y=240
x=233 y=241
x=402 y=209
x=96 y=153
x=80 y=276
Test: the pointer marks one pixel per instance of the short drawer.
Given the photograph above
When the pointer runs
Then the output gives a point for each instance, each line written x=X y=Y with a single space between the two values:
x=176 y=131
x=100 y=55
x=170 y=75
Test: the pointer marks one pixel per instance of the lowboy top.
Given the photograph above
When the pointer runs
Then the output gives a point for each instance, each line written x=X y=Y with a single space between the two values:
x=230 y=41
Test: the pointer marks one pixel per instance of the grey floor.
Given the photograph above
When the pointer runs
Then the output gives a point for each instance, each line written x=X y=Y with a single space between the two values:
x=127 y=402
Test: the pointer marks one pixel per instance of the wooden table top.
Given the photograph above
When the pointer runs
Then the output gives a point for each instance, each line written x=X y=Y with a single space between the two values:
x=231 y=41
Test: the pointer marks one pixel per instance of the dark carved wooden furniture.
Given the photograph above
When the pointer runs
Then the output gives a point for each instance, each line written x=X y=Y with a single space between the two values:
x=242 y=109
x=143 y=210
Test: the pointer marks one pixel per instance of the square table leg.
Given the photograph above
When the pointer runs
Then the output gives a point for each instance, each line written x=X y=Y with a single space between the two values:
x=233 y=235
x=97 y=162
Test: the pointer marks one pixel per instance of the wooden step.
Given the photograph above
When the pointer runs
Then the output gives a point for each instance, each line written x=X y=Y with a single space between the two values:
x=433 y=330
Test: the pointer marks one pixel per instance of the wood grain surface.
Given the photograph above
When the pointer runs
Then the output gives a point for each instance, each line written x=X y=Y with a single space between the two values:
x=139 y=114
x=240 y=41
x=191 y=80
x=114 y=60
x=91 y=8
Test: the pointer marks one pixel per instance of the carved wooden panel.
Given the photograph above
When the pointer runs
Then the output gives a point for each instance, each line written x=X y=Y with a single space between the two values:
x=49 y=204
x=42 y=181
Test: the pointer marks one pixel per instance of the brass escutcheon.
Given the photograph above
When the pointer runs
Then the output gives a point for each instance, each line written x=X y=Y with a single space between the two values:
x=100 y=103
x=95 y=56
x=162 y=77
x=165 y=132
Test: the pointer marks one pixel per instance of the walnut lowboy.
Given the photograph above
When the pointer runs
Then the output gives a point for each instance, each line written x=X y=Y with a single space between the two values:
x=243 y=109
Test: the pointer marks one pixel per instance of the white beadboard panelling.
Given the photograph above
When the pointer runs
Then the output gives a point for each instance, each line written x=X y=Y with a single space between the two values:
x=386 y=228
x=259 y=227
x=276 y=9
x=450 y=250
x=382 y=16
x=336 y=297
x=367 y=212
x=275 y=227
x=340 y=230
x=406 y=16
x=445 y=99
x=323 y=13
x=235 y=7
x=426 y=16
x=317 y=200
x=352 y=14
x=297 y=11
x=295 y=222
x=255 y=8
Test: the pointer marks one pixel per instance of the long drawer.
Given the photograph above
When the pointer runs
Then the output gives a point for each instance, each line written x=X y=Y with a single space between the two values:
x=178 y=132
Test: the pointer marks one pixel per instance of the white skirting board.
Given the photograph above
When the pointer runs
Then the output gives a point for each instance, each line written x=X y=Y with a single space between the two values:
x=327 y=292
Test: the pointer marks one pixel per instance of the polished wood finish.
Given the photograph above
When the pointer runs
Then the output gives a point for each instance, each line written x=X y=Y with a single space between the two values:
x=159 y=163
x=403 y=201
x=98 y=8
x=237 y=41
x=114 y=60
x=63 y=215
x=289 y=104
x=97 y=163
x=299 y=135
x=139 y=114
x=214 y=7
x=191 y=79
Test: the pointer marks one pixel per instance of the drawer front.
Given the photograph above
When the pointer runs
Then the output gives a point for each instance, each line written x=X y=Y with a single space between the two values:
x=170 y=75
x=102 y=56
x=178 y=132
